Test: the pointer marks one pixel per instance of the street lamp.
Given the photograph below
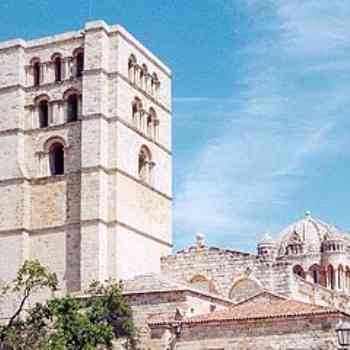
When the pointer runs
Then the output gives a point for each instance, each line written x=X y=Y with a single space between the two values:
x=178 y=328
x=343 y=333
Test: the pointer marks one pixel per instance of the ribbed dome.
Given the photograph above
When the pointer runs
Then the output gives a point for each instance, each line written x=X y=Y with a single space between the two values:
x=308 y=232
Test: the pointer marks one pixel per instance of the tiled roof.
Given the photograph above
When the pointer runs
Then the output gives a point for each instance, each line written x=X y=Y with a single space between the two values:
x=149 y=283
x=263 y=306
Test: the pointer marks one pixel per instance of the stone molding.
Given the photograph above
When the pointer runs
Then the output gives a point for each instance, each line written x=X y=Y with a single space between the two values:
x=110 y=171
x=79 y=36
x=184 y=290
x=86 y=170
x=83 y=223
x=127 y=80
x=78 y=81
x=134 y=42
x=94 y=116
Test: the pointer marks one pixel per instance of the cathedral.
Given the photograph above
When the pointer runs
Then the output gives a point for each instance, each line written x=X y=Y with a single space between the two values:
x=85 y=139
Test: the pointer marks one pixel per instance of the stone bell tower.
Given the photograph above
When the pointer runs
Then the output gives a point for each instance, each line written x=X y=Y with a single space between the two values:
x=85 y=139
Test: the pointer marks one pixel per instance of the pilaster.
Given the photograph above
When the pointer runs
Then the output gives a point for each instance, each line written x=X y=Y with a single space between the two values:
x=94 y=198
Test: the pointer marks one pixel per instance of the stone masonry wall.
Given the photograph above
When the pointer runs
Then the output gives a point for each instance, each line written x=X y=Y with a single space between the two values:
x=280 y=334
x=225 y=269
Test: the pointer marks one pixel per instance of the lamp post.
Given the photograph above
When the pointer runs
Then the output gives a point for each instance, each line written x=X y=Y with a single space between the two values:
x=343 y=334
x=178 y=328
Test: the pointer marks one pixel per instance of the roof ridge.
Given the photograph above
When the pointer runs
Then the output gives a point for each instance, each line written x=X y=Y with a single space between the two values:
x=285 y=298
x=264 y=291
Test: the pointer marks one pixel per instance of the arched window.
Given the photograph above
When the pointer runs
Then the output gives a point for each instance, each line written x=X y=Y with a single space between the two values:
x=131 y=67
x=331 y=277
x=243 y=289
x=340 y=277
x=43 y=107
x=347 y=278
x=36 y=72
x=80 y=64
x=78 y=55
x=315 y=273
x=137 y=112
x=57 y=62
x=152 y=123
x=72 y=107
x=202 y=283
x=56 y=154
x=299 y=271
x=155 y=83
x=143 y=76
x=145 y=164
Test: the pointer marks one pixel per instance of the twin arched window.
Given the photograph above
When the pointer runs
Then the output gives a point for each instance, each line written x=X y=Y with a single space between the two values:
x=45 y=109
x=138 y=74
x=145 y=121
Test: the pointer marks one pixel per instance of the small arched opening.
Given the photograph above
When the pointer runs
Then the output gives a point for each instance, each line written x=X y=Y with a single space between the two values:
x=72 y=108
x=136 y=112
x=56 y=153
x=155 y=84
x=43 y=107
x=315 y=273
x=145 y=164
x=131 y=67
x=299 y=271
x=36 y=72
x=72 y=98
x=143 y=76
x=330 y=277
x=340 y=277
x=57 y=63
x=78 y=55
x=151 y=123
x=347 y=278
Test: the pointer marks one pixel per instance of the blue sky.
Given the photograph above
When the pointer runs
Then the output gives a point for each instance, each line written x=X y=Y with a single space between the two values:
x=261 y=104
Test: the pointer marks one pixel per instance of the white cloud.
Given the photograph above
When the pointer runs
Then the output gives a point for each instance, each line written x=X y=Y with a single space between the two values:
x=260 y=159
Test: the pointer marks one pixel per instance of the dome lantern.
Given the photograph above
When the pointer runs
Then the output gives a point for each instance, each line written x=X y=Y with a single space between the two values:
x=267 y=247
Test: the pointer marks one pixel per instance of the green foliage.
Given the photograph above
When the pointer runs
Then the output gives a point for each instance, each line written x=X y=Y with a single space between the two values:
x=21 y=332
x=67 y=323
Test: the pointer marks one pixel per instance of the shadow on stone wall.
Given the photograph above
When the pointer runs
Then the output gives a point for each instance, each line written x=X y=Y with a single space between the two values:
x=73 y=209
